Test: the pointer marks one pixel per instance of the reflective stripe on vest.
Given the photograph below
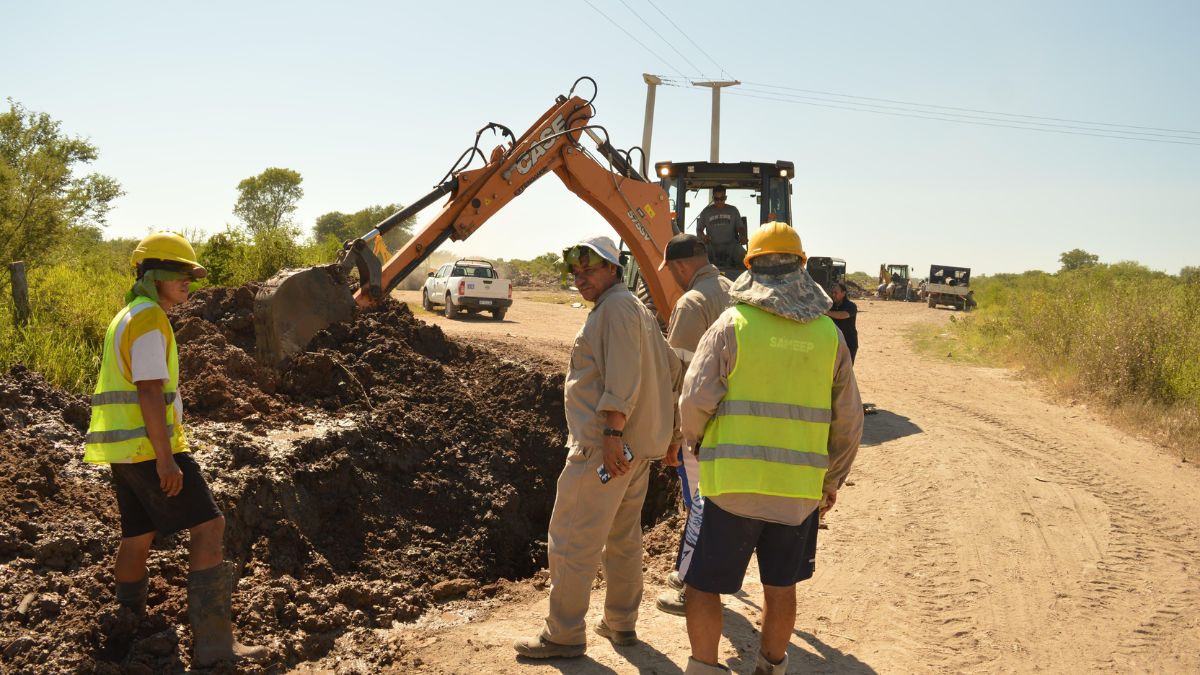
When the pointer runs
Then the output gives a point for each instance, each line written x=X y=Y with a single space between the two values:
x=770 y=434
x=109 y=397
x=117 y=433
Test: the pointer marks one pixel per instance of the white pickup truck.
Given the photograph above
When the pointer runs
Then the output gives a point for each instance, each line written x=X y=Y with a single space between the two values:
x=471 y=285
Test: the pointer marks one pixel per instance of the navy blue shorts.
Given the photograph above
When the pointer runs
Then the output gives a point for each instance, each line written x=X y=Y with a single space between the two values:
x=145 y=508
x=720 y=552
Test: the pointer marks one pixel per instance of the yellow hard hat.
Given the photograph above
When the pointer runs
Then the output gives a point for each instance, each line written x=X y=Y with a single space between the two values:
x=774 y=237
x=167 y=250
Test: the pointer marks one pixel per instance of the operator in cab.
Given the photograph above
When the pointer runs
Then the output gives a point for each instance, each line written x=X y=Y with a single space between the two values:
x=720 y=226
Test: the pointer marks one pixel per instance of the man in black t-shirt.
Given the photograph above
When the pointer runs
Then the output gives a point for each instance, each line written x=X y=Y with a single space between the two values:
x=843 y=314
x=720 y=226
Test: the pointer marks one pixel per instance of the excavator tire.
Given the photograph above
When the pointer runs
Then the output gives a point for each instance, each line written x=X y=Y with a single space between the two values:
x=294 y=305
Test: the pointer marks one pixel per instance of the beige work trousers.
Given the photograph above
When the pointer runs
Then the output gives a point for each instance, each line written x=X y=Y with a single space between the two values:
x=595 y=523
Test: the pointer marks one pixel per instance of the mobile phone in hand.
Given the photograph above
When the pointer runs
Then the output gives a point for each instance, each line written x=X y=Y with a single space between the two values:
x=602 y=470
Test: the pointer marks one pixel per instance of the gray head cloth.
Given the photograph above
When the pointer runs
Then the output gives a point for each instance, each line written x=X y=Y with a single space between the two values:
x=793 y=295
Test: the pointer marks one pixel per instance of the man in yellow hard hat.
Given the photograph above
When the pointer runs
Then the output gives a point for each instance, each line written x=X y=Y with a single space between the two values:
x=137 y=429
x=770 y=398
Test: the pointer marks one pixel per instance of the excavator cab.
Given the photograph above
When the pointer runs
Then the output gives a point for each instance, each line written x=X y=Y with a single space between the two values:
x=760 y=191
x=894 y=282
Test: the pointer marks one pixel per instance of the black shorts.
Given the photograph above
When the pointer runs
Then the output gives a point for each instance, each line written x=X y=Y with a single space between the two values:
x=145 y=508
x=717 y=564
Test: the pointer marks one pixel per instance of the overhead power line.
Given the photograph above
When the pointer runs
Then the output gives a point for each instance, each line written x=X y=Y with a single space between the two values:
x=631 y=37
x=972 y=110
x=990 y=116
x=660 y=36
x=934 y=116
x=674 y=81
x=688 y=38
x=941 y=114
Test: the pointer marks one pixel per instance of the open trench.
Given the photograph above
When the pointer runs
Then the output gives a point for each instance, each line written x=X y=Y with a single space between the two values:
x=384 y=470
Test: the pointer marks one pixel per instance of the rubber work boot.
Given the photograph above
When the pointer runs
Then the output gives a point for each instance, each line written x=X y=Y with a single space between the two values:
x=765 y=667
x=132 y=595
x=620 y=638
x=695 y=667
x=675 y=581
x=541 y=648
x=210 y=594
x=672 y=602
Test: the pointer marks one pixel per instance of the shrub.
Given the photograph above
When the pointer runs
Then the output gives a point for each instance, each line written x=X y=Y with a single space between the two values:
x=234 y=257
x=1120 y=332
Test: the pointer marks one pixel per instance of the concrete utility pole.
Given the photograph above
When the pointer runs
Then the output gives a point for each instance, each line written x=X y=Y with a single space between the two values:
x=652 y=81
x=714 y=152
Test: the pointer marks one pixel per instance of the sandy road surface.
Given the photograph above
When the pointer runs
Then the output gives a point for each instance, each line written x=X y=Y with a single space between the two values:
x=988 y=529
x=545 y=328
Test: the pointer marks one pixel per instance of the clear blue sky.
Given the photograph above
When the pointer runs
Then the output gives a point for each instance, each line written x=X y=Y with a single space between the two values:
x=372 y=101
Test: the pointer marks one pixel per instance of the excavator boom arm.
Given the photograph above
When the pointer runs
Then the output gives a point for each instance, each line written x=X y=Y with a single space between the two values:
x=637 y=210
x=295 y=305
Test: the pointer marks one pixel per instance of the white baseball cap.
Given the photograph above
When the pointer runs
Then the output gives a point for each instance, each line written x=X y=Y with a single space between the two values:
x=602 y=245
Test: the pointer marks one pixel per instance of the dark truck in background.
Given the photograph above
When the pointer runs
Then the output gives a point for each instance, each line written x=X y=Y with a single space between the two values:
x=949 y=285
x=826 y=271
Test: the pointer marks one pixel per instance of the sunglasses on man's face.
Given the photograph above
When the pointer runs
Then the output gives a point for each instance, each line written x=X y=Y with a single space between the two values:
x=580 y=257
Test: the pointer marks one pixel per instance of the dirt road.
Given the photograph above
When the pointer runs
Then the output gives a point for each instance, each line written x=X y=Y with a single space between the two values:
x=987 y=528
x=541 y=321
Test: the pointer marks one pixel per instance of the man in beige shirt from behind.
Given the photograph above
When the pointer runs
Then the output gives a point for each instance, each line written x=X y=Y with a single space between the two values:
x=706 y=295
x=618 y=396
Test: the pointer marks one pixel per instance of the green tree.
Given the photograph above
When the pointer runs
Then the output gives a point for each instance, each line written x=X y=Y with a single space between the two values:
x=332 y=224
x=42 y=196
x=343 y=226
x=1190 y=274
x=223 y=255
x=1077 y=259
x=267 y=201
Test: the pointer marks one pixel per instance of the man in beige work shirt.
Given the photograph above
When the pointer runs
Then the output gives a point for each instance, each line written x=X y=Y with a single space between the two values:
x=764 y=500
x=618 y=399
x=705 y=297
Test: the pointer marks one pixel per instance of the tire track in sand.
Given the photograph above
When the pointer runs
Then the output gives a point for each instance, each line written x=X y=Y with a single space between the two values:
x=1141 y=577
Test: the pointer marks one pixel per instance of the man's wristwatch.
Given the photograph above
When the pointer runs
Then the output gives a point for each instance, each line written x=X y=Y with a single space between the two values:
x=609 y=431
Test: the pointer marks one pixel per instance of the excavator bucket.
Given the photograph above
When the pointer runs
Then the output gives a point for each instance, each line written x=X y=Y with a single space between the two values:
x=296 y=304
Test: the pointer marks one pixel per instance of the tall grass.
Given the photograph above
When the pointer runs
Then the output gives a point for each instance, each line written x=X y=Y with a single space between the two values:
x=73 y=300
x=71 y=305
x=1119 y=334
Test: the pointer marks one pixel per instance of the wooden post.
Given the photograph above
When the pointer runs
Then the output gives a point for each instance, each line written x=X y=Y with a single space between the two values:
x=20 y=292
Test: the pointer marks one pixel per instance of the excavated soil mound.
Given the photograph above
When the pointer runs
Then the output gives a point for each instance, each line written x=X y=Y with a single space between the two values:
x=386 y=469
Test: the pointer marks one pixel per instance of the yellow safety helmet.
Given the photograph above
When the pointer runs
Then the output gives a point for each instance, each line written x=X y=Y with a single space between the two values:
x=774 y=237
x=169 y=251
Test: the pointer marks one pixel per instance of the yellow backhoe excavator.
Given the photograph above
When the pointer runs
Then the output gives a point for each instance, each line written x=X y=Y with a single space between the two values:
x=294 y=305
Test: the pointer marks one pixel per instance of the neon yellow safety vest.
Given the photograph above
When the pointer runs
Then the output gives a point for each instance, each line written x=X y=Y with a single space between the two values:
x=770 y=434
x=117 y=433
